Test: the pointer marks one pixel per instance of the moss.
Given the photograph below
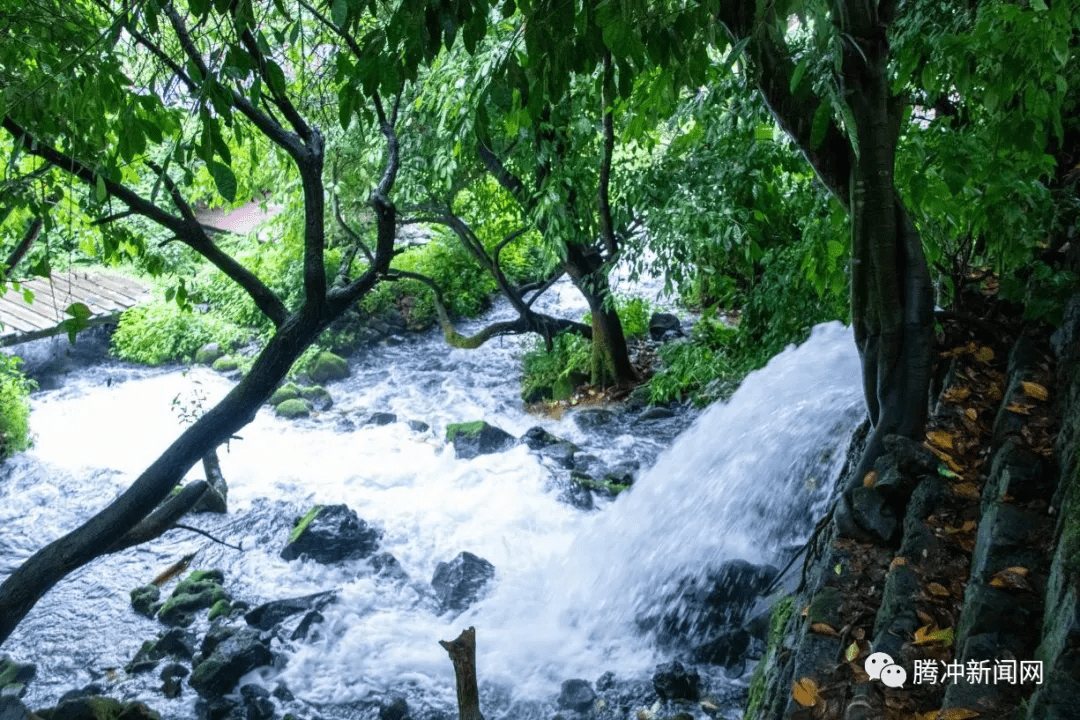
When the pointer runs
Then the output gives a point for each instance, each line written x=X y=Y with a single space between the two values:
x=294 y=408
x=328 y=366
x=221 y=608
x=226 y=364
x=200 y=590
x=612 y=487
x=304 y=522
x=781 y=613
x=467 y=428
x=288 y=391
x=1069 y=544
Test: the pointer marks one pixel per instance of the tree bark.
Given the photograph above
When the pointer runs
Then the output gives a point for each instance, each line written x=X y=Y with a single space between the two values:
x=463 y=655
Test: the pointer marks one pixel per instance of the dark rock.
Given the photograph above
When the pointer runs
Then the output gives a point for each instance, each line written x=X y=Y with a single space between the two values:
x=257 y=701
x=674 y=682
x=1007 y=536
x=177 y=643
x=590 y=466
x=418 y=426
x=396 y=709
x=14 y=676
x=537 y=437
x=896 y=618
x=270 y=614
x=143 y=599
x=88 y=691
x=214 y=708
x=381 y=418
x=310 y=620
x=198 y=591
x=217 y=634
x=327 y=366
x=576 y=695
x=728 y=648
x=171 y=676
x=231 y=659
x=592 y=418
x=477 y=438
x=605 y=682
x=93 y=707
x=458 y=583
x=1017 y=473
x=318 y=396
x=577 y=495
x=871 y=513
x=655 y=413
x=11 y=708
x=386 y=566
x=283 y=694
x=561 y=453
x=330 y=534
x=662 y=323
x=344 y=425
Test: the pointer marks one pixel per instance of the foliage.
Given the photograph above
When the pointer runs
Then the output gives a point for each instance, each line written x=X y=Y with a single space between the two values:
x=570 y=355
x=158 y=332
x=14 y=407
x=704 y=367
x=634 y=314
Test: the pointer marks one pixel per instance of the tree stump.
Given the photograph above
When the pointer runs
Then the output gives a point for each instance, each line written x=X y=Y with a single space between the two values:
x=463 y=655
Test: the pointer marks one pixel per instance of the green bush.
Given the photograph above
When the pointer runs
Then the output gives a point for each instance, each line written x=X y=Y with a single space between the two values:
x=634 y=315
x=159 y=332
x=705 y=367
x=14 y=407
x=569 y=354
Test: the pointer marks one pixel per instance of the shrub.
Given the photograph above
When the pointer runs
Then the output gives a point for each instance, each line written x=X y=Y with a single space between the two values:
x=634 y=315
x=159 y=332
x=569 y=354
x=14 y=407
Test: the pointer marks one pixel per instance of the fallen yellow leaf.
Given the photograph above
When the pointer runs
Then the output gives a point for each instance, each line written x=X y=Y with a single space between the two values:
x=871 y=479
x=1018 y=409
x=949 y=714
x=1011 y=578
x=938 y=589
x=1034 y=390
x=972 y=414
x=928 y=634
x=957 y=393
x=805 y=692
x=984 y=354
x=966 y=490
x=824 y=629
x=897 y=562
x=940 y=438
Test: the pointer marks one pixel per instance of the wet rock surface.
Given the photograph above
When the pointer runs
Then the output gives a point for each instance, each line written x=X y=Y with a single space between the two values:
x=330 y=534
x=477 y=438
x=460 y=582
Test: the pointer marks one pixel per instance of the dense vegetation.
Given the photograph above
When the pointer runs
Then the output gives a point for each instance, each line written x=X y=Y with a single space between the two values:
x=777 y=163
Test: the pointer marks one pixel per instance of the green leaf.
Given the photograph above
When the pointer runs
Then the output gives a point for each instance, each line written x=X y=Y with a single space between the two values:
x=821 y=124
x=28 y=296
x=224 y=179
x=199 y=8
x=834 y=250
x=78 y=321
x=99 y=190
x=275 y=77
x=797 y=75
x=339 y=12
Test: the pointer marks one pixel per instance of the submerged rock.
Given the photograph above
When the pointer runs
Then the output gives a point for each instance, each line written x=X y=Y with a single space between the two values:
x=144 y=599
x=270 y=614
x=472 y=439
x=14 y=676
x=231 y=659
x=295 y=408
x=593 y=418
x=381 y=418
x=331 y=533
x=674 y=682
x=318 y=396
x=200 y=590
x=459 y=583
x=576 y=695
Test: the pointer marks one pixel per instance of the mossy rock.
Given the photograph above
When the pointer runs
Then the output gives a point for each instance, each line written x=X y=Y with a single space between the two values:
x=144 y=598
x=295 y=408
x=475 y=438
x=221 y=608
x=226 y=364
x=302 y=523
x=14 y=676
x=327 y=366
x=198 y=591
x=318 y=396
x=209 y=353
x=288 y=391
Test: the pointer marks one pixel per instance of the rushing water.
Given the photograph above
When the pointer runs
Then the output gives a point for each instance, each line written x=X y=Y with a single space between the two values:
x=743 y=481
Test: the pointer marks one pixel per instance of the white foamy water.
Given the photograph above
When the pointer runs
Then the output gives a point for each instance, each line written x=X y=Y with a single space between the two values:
x=741 y=482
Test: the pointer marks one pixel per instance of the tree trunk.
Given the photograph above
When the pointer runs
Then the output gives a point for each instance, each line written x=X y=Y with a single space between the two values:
x=463 y=655
x=611 y=366
x=892 y=301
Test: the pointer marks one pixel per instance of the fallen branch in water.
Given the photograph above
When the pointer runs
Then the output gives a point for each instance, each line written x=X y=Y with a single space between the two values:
x=463 y=655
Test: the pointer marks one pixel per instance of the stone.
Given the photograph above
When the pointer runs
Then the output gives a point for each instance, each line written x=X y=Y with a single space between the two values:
x=418 y=426
x=14 y=676
x=257 y=701
x=728 y=648
x=208 y=353
x=318 y=396
x=330 y=534
x=655 y=413
x=171 y=676
x=198 y=591
x=872 y=514
x=674 y=682
x=473 y=439
x=96 y=707
x=295 y=408
x=1007 y=536
x=217 y=634
x=576 y=695
x=175 y=642
x=11 y=708
x=593 y=418
x=561 y=453
x=288 y=391
x=231 y=659
x=309 y=621
x=226 y=364
x=216 y=708
x=459 y=583
x=396 y=709
x=387 y=567
x=381 y=418
x=327 y=366
x=578 y=496
x=536 y=438
x=267 y=615
x=143 y=599
x=662 y=323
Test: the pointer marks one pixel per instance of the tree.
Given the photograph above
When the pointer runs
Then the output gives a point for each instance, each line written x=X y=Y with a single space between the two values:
x=204 y=72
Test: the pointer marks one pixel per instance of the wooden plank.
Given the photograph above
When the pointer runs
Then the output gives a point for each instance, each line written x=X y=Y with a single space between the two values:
x=40 y=314
x=17 y=339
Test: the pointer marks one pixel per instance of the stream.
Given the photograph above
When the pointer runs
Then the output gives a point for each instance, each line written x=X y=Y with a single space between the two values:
x=742 y=479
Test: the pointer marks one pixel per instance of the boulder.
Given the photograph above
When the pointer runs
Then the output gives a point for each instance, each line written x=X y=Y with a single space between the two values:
x=270 y=614
x=11 y=708
x=295 y=408
x=396 y=709
x=387 y=567
x=381 y=418
x=232 y=659
x=217 y=634
x=418 y=426
x=198 y=591
x=576 y=695
x=175 y=642
x=472 y=439
x=660 y=324
x=593 y=418
x=331 y=533
x=226 y=364
x=655 y=413
x=208 y=353
x=327 y=366
x=537 y=437
x=14 y=676
x=257 y=701
x=144 y=599
x=674 y=682
x=318 y=396
x=171 y=677
x=459 y=583
x=288 y=391
x=96 y=707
